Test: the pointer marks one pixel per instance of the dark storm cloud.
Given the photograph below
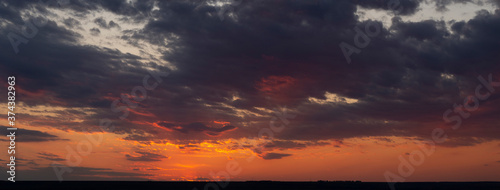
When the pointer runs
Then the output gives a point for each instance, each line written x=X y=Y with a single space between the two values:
x=402 y=7
x=145 y=157
x=55 y=69
x=441 y=4
x=9 y=10
x=221 y=60
x=136 y=11
x=424 y=30
x=265 y=53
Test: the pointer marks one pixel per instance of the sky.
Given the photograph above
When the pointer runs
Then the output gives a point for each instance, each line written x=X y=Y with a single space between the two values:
x=299 y=90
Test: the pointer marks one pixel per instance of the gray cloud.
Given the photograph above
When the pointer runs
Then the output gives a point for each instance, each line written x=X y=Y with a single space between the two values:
x=145 y=157
x=273 y=156
x=50 y=156
x=26 y=135
x=95 y=31
x=197 y=127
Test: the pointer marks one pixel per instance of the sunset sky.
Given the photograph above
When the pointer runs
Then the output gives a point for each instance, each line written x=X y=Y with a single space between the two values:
x=262 y=84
